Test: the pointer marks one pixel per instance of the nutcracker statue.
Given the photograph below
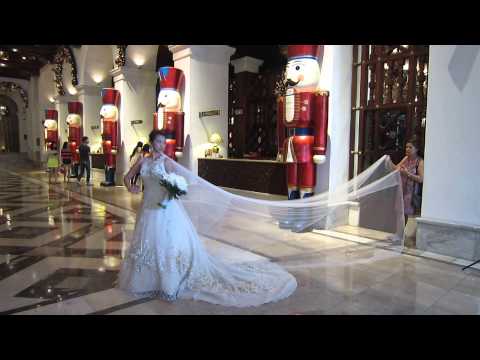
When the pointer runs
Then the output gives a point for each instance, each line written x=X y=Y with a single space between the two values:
x=302 y=120
x=51 y=129
x=75 y=133
x=169 y=116
x=109 y=114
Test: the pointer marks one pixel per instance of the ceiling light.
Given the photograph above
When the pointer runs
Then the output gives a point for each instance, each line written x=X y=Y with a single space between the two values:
x=97 y=78
x=3 y=64
x=14 y=49
x=24 y=58
x=139 y=60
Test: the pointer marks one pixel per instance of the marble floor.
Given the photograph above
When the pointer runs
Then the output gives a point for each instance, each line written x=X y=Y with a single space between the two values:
x=61 y=247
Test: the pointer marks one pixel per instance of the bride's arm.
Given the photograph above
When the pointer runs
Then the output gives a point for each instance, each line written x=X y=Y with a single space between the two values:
x=168 y=165
x=135 y=169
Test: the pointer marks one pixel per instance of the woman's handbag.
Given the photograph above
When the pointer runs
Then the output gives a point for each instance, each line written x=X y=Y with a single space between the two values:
x=417 y=192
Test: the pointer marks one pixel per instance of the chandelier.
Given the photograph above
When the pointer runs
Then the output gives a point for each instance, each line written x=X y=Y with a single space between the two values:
x=3 y=55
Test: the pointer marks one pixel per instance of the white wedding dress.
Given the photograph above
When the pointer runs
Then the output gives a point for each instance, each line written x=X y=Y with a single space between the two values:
x=168 y=259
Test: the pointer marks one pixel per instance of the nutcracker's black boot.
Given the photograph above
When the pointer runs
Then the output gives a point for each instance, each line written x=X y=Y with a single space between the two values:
x=288 y=223
x=74 y=171
x=109 y=177
x=301 y=227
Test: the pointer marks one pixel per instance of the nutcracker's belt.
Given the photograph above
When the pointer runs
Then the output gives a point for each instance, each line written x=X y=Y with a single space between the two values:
x=169 y=135
x=299 y=131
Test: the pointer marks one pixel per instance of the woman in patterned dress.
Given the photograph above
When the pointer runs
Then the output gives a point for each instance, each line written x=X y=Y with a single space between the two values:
x=411 y=170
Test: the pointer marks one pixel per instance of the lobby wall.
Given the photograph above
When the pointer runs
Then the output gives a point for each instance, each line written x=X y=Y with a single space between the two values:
x=450 y=221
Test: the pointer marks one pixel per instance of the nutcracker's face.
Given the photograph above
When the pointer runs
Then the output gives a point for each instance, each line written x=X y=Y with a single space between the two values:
x=74 y=120
x=170 y=100
x=109 y=112
x=50 y=124
x=303 y=74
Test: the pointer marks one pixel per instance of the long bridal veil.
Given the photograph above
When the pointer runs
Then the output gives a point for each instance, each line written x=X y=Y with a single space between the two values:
x=368 y=206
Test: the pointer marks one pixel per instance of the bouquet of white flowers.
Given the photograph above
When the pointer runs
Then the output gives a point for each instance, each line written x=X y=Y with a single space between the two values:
x=175 y=185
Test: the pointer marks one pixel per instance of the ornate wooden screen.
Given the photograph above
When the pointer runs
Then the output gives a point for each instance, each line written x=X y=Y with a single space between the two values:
x=389 y=100
x=252 y=119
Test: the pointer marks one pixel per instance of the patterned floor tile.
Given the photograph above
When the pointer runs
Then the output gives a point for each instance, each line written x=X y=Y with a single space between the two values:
x=21 y=232
x=61 y=248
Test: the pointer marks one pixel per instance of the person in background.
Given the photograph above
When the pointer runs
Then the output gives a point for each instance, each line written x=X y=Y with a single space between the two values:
x=84 y=151
x=411 y=170
x=66 y=155
x=146 y=150
x=53 y=163
x=136 y=154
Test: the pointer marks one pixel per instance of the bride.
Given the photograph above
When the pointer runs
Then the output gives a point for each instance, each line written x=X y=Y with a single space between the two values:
x=167 y=258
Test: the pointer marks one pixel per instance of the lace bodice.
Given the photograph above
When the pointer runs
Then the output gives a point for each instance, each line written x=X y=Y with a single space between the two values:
x=151 y=172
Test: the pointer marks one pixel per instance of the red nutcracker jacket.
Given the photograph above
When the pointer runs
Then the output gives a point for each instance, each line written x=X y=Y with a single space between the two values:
x=74 y=139
x=173 y=123
x=52 y=136
x=310 y=112
x=110 y=141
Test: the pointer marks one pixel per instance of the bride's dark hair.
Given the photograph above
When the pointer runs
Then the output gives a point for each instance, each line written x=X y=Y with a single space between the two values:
x=154 y=133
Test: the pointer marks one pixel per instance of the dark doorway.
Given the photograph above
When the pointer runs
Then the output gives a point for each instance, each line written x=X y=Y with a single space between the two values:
x=9 y=141
x=164 y=58
x=252 y=103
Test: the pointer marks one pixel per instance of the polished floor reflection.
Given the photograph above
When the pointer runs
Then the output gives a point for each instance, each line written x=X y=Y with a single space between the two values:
x=61 y=246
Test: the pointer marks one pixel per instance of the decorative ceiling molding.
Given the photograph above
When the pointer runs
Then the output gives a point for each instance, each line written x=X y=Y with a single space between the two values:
x=8 y=86
x=63 y=54
x=121 y=57
x=23 y=62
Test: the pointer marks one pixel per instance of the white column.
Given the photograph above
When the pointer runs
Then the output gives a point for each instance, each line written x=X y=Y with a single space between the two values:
x=32 y=110
x=450 y=220
x=24 y=120
x=91 y=98
x=35 y=133
x=246 y=63
x=137 y=89
x=61 y=105
x=206 y=88
x=336 y=77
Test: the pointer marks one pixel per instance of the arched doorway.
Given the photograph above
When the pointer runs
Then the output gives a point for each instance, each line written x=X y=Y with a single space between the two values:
x=9 y=131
